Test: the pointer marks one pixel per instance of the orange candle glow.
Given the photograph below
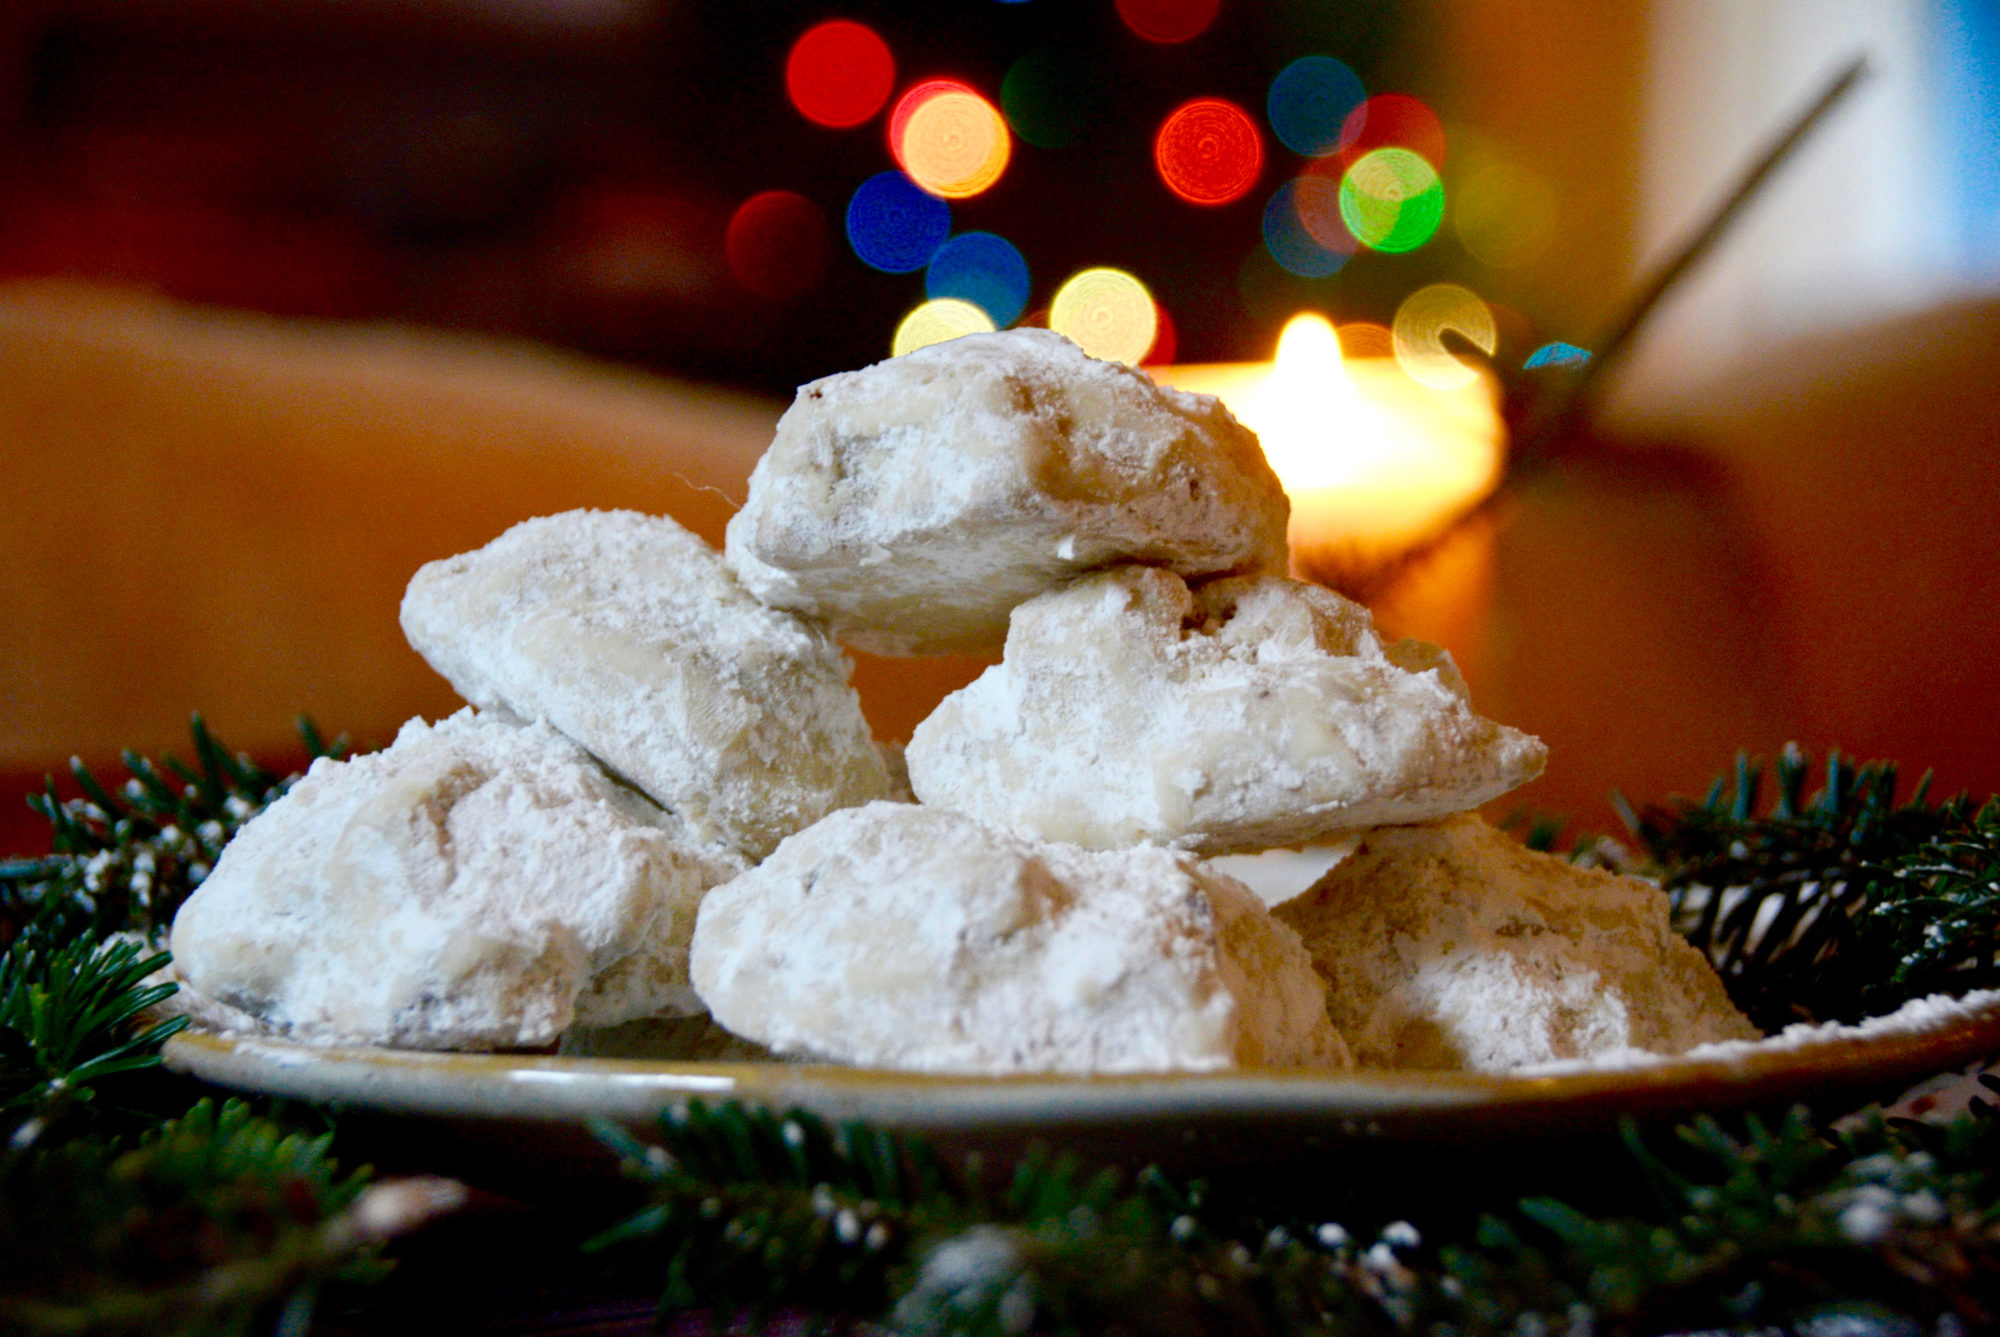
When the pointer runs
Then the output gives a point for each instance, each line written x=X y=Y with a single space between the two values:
x=1376 y=463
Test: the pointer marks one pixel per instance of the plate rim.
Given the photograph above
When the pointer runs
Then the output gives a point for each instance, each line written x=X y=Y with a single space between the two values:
x=545 y=1087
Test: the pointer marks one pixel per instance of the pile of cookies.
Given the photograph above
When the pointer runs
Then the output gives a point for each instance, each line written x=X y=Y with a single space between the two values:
x=664 y=799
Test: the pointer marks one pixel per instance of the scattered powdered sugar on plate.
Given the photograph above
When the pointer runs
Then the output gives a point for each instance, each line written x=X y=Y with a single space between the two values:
x=1919 y=1016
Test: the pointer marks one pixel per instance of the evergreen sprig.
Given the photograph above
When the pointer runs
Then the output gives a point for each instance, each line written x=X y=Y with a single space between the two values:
x=208 y=1225
x=768 y=1210
x=1837 y=906
x=71 y=1016
x=123 y=862
x=1785 y=1227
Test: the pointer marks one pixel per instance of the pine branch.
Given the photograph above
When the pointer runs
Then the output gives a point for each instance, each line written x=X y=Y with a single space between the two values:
x=70 y=1017
x=1781 y=1227
x=207 y=1223
x=124 y=862
x=1842 y=905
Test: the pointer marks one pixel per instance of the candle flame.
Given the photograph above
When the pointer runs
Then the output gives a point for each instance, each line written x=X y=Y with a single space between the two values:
x=1370 y=457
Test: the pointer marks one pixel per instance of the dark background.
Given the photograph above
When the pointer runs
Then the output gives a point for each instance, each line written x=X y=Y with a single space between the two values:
x=565 y=172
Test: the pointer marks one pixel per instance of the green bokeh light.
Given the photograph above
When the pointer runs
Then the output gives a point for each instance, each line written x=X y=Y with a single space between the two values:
x=1050 y=97
x=1392 y=200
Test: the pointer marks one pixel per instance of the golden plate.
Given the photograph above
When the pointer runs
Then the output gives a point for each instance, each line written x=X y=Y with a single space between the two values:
x=531 y=1108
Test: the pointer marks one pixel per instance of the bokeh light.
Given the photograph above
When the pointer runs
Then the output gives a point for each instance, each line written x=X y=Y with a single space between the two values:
x=935 y=321
x=1107 y=313
x=949 y=139
x=1364 y=338
x=1505 y=216
x=1294 y=244
x=1394 y=120
x=1168 y=21
x=839 y=73
x=983 y=269
x=1310 y=102
x=1166 y=339
x=1392 y=200
x=1421 y=323
x=1557 y=354
x=1317 y=201
x=895 y=226
x=1050 y=95
x=776 y=244
x=1208 y=151
x=914 y=97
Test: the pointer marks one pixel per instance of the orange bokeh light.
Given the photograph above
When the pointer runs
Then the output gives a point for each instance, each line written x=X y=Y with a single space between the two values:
x=1209 y=152
x=908 y=105
x=839 y=73
x=949 y=140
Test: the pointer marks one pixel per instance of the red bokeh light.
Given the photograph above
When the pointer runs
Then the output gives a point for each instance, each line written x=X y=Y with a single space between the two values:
x=777 y=243
x=1317 y=200
x=1165 y=342
x=1208 y=151
x=839 y=74
x=1387 y=120
x=1168 y=21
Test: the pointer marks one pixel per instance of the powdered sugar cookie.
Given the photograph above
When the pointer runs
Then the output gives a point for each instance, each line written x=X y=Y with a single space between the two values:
x=904 y=937
x=1451 y=945
x=479 y=884
x=1240 y=715
x=911 y=504
x=629 y=635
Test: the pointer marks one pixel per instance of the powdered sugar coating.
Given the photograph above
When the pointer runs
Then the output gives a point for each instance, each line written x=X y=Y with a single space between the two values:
x=1451 y=945
x=1241 y=715
x=479 y=884
x=1932 y=1013
x=904 y=937
x=629 y=635
x=911 y=504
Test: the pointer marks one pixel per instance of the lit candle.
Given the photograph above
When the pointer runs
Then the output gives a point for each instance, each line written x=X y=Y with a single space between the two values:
x=1376 y=463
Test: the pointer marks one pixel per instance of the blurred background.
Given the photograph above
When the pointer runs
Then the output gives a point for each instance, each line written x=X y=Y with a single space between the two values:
x=297 y=294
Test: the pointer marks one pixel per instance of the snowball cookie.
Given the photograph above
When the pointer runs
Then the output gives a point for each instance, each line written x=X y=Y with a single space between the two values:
x=480 y=884
x=1452 y=945
x=627 y=633
x=913 y=503
x=904 y=937
x=1240 y=715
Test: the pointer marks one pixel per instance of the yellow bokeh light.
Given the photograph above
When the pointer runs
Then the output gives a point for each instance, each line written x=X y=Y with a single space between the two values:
x=955 y=144
x=1421 y=322
x=1107 y=313
x=937 y=320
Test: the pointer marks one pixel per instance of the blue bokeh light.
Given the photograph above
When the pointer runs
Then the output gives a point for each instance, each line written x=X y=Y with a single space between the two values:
x=1309 y=101
x=895 y=226
x=1557 y=354
x=983 y=269
x=1290 y=244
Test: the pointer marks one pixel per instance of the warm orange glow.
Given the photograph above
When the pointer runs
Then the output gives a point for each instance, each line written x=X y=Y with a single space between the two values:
x=1372 y=459
x=952 y=142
